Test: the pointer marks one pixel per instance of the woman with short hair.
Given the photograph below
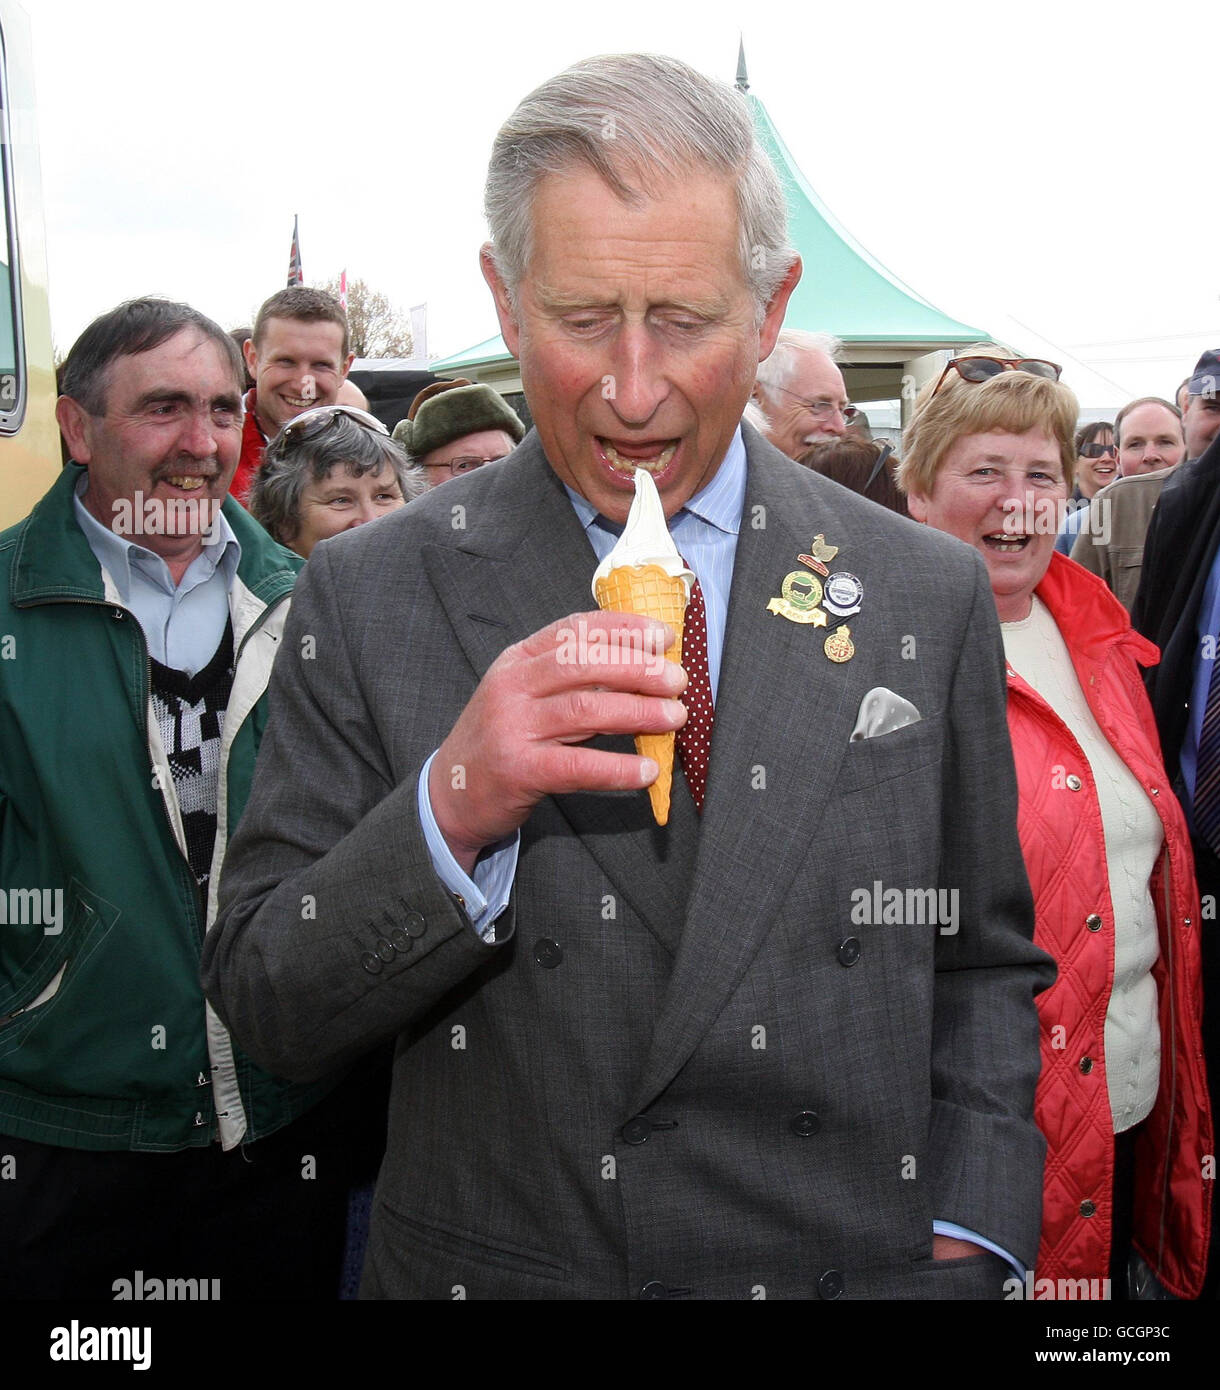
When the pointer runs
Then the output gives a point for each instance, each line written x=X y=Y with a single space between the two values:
x=1122 y=1098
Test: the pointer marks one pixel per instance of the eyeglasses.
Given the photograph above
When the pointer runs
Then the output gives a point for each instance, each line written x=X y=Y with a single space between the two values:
x=976 y=369
x=464 y=465
x=1098 y=451
x=311 y=423
x=823 y=409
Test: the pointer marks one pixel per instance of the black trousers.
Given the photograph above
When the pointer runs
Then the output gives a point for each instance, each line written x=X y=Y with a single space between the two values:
x=265 y=1220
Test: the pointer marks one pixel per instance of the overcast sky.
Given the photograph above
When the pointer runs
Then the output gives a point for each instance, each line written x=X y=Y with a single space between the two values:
x=1041 y=165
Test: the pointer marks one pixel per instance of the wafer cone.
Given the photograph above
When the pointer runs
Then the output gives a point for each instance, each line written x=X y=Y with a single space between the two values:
x=650 y=592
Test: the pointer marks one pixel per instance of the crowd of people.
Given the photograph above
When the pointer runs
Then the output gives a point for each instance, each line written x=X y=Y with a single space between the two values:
x=340 y=947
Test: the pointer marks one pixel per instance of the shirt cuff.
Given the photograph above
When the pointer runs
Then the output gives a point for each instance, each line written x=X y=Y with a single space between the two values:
x=950 y=1228
x=485 y=896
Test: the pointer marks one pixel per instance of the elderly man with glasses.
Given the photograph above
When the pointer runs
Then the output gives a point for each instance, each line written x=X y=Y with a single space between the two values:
x=799 y=398
x=454 y=427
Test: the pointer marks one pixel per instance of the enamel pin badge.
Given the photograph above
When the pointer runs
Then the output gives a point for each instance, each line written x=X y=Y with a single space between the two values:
x=805 y=598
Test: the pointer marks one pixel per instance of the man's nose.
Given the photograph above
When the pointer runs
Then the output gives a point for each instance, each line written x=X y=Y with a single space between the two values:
x=834 y=423
x=200 y=433
x=635 y=383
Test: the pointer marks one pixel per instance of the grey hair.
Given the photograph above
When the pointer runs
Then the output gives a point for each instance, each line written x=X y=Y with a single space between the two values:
x=289 y=463
x=792 y=343
x=637 y=120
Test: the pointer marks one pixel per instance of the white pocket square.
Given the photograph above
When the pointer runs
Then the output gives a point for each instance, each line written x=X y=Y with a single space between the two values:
x=881 y=712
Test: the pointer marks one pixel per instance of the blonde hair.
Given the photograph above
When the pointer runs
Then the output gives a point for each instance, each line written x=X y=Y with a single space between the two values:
x=1014 y=402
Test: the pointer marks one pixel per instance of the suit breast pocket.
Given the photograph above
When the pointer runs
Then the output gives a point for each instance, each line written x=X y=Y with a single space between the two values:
x=872 y=761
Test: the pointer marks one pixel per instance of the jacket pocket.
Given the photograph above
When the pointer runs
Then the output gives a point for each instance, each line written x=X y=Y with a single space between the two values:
x=43 y=953
x=453 y=1242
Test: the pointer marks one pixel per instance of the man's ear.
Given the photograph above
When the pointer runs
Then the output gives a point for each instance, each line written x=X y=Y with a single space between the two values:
x=510 y=330
x=250 y=353
x=917 y=505
x=74 y=425
x=773 y=320
x=347 y=366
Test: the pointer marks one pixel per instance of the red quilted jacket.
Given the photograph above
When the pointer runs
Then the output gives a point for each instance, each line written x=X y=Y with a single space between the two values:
x=1064 y=848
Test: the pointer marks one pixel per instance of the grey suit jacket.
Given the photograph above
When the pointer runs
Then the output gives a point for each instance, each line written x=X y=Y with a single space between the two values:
x=691 y=1065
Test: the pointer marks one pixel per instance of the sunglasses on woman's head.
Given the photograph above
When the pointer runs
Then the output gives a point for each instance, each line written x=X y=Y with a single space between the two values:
x=310 y=423
x=976 y=369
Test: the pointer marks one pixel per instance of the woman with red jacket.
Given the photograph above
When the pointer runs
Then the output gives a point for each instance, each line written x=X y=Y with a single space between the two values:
x=1122 y=1097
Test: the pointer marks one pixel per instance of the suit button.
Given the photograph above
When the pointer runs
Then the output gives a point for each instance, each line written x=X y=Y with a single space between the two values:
x=1086 y=1065
x=402 y=942
x=1088 y=1208
x=830 y=1285
x=805 y=1124
x=548 y=953
x=849 y=951
x=1093 y=922
x=636 y=1131
x=370 y=962
x=413 y=924
x=654 y=1289
x=385 y=950
x=1073 y=782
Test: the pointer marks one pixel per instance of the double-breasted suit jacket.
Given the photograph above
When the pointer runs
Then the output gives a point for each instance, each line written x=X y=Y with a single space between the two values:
x=692 y=1063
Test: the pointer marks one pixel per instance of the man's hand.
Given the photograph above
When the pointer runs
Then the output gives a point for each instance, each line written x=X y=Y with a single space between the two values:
x=517 y=739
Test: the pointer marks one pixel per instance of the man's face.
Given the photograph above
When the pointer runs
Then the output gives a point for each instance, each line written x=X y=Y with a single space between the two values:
x=809 y=409
x=466 y=453
x=1201 y=423
x=171 y=432
x=295 y=367
x=1150 y=438
x=636 y=334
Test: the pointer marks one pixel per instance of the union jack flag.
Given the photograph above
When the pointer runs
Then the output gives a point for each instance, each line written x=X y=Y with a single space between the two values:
x=295 y=274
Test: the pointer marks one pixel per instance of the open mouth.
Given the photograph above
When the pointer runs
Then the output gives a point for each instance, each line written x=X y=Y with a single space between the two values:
x=1004 y=544
x=297 y=402
x=187 y=482
x=654 y=457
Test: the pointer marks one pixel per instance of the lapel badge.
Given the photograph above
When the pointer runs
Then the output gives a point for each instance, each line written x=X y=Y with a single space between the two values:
x=838 y=646
x=801 y=595
x=844 y=593
x=820 y=556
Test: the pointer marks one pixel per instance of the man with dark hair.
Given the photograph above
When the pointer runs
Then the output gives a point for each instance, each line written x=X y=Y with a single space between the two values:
x=299 y=357
x=143 y=610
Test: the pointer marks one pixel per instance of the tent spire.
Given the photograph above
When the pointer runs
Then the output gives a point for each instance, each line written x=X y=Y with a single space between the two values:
x=743 y=82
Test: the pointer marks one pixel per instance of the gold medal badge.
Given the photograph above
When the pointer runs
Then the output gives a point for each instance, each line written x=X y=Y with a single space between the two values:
x=838 y=646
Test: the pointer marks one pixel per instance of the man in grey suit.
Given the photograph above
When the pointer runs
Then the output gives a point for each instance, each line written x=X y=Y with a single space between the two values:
x=784 y=1046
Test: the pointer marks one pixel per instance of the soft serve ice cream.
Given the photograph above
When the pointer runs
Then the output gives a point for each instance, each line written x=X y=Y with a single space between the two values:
x=644 y=574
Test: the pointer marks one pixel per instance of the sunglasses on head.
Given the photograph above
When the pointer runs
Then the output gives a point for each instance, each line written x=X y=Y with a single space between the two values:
x=1098 y=451
x=976 y=369
x=311 y=423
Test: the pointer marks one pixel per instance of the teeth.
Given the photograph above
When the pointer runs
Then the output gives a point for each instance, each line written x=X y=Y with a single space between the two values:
x=629 y=465
x=188 y=484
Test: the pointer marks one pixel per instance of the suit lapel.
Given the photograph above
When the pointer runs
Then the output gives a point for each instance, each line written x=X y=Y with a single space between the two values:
x=527 y=563
x=784 y=716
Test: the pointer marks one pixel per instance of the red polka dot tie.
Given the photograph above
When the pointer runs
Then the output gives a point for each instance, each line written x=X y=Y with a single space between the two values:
x=694 y=738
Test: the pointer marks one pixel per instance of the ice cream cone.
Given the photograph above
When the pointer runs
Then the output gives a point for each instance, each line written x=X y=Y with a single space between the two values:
x=648 y=591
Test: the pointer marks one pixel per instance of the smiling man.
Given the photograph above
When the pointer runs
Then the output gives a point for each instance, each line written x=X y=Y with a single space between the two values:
x=142 y=612
x=298 y=354
x=637 y=1061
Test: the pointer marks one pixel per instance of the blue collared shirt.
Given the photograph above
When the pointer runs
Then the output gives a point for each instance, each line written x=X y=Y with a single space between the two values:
x=183 y=623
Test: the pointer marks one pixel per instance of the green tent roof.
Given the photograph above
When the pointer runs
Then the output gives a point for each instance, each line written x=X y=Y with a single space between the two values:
x=843 y=291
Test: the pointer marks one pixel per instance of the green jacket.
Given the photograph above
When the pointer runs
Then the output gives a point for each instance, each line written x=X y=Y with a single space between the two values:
x=106 y=1041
